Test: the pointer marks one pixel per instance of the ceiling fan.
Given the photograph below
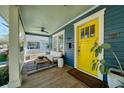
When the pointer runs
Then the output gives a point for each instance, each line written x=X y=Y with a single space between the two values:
x=42 y=29
x=5 y=24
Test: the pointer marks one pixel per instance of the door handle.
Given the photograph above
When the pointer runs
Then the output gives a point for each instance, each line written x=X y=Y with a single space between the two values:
x=78 y=52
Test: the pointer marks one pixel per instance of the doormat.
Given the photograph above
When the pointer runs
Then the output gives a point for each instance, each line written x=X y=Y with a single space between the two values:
x=90 y=81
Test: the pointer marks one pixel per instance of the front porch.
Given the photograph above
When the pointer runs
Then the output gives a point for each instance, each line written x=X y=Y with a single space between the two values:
x=65 y=34
x=52 y=78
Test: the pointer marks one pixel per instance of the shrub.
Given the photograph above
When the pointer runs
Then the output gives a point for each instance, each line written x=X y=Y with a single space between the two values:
x=3 y=57
x=4 y=76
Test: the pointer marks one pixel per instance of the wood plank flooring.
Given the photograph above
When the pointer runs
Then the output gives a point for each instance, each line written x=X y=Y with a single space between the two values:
x=52 y=78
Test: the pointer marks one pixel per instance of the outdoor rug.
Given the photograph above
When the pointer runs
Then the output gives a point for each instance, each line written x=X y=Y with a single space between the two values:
x=90 y=81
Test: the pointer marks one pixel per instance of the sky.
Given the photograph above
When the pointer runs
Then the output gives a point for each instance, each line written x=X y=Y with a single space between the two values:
x=4 y=31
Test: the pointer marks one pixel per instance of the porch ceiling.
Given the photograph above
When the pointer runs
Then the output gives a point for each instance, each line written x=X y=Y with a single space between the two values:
x=49 y=16
x=4 y=12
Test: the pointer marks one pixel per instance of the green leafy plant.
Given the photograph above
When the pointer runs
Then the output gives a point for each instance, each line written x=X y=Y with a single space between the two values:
x=4 y=76
x=98 y=49
x=3 y=57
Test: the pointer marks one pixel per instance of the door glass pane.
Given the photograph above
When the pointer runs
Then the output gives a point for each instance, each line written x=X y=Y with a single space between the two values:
x=86 y=32
x=82 y=33
x=92 y=30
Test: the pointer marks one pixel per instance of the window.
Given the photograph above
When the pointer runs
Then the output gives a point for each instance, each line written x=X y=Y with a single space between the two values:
x=44 y=45
x=55 y=43
x=92 y=30
x=58 y=42
x=37 y=44
x=82 y=33
x=33 y=45
x=86 y=32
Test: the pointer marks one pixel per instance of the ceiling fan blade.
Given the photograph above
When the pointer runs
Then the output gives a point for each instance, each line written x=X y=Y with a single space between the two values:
x=5 y=25
x=38 y=27
x=44 y=31
x=41 y=31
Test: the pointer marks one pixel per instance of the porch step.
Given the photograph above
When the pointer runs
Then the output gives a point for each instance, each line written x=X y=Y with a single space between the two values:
x=90 y=81
x=40 y=69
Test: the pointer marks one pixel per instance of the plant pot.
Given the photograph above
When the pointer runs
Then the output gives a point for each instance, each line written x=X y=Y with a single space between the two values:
x=114 y=77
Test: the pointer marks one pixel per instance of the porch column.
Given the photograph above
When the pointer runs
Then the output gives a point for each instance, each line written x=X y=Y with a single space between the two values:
x=14 y=68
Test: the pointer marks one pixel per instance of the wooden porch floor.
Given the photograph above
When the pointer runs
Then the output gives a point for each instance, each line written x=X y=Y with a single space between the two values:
x=52 y=78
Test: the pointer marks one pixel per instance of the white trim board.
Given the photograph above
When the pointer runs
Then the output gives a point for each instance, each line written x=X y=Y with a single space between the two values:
x=100 y=16
x=92 y=8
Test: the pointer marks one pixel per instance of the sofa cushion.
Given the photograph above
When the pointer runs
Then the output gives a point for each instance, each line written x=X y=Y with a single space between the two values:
x=33 y=56
x=50 y=57
x=55 y=54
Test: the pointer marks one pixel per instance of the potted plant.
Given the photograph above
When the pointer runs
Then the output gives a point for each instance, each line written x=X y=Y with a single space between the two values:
x=115 y=76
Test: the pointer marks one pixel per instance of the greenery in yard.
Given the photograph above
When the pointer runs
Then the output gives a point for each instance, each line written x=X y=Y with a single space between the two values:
x=4 y=76
x=3 y=57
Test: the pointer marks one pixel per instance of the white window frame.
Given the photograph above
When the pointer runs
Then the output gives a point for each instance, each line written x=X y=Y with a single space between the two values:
x=33 y=42
x=57 y=35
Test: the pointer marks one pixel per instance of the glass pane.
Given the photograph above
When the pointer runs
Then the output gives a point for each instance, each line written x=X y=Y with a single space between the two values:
x=92 y=30
x=55 y=43
x=60 y=43
x=82 y=33
x=33 y=45
x=86 y=32
x=44 y=45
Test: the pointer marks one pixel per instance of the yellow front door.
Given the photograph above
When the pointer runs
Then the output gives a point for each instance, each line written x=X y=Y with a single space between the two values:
x=87 y=35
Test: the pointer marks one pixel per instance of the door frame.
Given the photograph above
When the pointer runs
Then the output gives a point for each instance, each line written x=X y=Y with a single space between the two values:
x=100 y=16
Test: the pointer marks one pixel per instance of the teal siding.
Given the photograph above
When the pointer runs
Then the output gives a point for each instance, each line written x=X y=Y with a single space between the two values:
x=114 y=23
x=69 y=38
